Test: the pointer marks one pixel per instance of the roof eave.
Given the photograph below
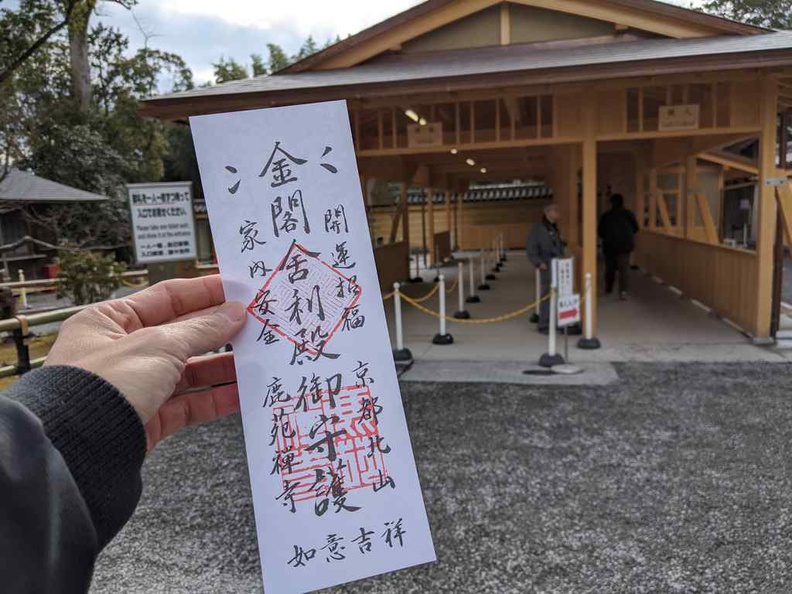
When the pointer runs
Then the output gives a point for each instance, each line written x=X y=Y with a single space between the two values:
x=183 y=107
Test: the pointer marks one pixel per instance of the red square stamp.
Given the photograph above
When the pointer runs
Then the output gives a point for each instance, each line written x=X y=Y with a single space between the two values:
x=305 y=300
x=326 y=436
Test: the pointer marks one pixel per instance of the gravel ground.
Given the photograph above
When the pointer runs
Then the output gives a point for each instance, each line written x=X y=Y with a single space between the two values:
x=675 y=479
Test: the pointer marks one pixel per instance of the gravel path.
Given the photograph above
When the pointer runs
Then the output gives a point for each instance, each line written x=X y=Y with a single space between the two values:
x=674 y=479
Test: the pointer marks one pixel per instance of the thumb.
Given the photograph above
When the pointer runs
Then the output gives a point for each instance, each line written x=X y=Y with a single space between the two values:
x=206 y=331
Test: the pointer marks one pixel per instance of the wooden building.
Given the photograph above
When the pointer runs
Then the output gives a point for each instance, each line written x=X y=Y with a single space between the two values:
x=667 y=106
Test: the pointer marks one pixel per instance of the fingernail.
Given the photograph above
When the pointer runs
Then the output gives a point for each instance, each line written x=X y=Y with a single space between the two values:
x=233 y=310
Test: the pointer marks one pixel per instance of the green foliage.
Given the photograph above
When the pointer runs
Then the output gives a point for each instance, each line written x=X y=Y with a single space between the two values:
x=308 y=47
x=88 y=277
x=278 y=60
x=227 y=70
x=774 y=14
x=257 y=65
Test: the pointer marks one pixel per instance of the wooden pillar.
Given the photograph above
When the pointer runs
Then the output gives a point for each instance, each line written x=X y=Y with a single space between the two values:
x=461 y=219
x=653 y=198
x=640 y=193
x=431 y=227
x=589 y=157
x=691 y=187
x=766 y=220
x=405 y=215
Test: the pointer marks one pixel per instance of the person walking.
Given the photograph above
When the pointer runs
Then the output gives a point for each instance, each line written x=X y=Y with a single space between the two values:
x=617 y=229
x=544 y=244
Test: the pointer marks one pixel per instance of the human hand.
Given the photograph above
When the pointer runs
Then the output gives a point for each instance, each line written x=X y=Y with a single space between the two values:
x=149 y=346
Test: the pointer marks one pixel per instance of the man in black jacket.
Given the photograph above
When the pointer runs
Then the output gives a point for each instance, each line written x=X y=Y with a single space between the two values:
x=617 y=228
x=544 y=244
x=121 y=376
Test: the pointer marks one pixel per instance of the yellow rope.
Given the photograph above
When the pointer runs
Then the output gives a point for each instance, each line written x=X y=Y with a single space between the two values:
x=452 y=287
x=428 y=295
x=502 y=318
x=388 y=296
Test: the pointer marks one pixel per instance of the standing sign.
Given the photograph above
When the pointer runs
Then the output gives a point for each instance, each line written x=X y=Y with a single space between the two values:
x=335 y=488
x=568 y=310
x=162 y=222
x=565 y=268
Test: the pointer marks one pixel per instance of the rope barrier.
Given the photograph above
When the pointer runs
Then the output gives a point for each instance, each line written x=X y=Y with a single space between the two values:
x=388 y=296
x=456 y=282
x=503 y=318
x=427 y=296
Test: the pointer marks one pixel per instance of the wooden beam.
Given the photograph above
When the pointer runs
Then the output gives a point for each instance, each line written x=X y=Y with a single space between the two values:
x=710 y=231
x=729 y=162
x=405 y=214
x=766 y=219
x=653 y=198
x=784 y=201
x=505 y=24
x=691 y=185
x=430 y=239
x=662 y=207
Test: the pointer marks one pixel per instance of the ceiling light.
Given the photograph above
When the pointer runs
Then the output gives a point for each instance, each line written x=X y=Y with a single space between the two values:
x=470 y=162
x=412 y=115
x=454 y=151
x=483 y=170
x=422 y=121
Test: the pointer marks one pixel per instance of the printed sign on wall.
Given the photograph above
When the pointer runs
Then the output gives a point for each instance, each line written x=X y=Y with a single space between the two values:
x=162 y=221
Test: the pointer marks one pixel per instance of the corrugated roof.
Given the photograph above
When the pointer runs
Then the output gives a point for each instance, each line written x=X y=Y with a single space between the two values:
x=24 y=186
x=496 y=60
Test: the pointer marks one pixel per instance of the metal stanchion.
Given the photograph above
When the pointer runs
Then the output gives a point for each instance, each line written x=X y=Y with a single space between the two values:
x=483 y=264
x=23 y=300
x=400 y=353
x=535 y=315
x=461 y=313
x=551 y=357
x=417 y=278
x=503 y=254
x=491 y=256
x=472 y=298
x=496 y=254
x=589 y=341
x=442 y=337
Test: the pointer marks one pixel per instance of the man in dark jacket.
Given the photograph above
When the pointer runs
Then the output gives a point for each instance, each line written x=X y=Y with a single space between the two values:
x=544 y=244
x=122 y=376
x=617 y=228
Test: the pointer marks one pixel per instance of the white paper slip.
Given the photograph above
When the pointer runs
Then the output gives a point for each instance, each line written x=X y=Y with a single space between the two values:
x=335 y=489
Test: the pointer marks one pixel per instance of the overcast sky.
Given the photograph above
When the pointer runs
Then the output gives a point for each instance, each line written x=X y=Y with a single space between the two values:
x=203 y=30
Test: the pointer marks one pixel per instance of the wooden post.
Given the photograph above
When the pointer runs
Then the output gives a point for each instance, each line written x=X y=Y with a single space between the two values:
x=589 y=149
x=691 y=185
x=460 y=219
x=405 y=215
x=431 y=231
x=640 y=193
x=653 y=198
x=449 y=224
x=766 y=219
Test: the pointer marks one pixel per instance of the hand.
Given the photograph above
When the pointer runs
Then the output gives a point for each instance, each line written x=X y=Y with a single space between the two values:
x=148 y=346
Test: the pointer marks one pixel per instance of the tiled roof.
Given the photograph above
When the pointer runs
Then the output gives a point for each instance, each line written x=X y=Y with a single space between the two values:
x=490 y=194
x=24 y=186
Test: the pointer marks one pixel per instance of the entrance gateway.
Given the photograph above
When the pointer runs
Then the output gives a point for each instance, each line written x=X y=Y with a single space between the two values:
x=676 y=110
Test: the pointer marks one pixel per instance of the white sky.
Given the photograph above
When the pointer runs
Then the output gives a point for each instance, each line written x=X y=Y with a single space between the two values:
x=202 y=31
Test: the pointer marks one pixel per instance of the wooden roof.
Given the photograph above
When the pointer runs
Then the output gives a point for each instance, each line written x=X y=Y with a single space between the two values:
x=24 y=186
x=647 y=15
x=451 y=70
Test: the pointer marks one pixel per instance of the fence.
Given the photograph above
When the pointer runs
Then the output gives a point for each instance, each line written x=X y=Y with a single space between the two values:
x=721 y=277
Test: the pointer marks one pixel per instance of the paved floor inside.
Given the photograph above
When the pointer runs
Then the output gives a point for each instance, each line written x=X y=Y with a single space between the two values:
x=655 y=324
x=673 y=479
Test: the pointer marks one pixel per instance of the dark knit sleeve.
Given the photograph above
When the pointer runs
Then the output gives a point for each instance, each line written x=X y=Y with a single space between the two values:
x=97 y=432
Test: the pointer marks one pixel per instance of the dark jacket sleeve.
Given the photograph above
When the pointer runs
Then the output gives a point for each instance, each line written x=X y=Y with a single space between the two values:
x=633 y=221
x=71 y=448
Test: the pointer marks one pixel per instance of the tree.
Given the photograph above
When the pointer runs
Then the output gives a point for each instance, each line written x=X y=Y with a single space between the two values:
x=308 y=47
x=278 y=60
x=227 y=70
x=774 y=14
x=257 y=66
x=87 y=277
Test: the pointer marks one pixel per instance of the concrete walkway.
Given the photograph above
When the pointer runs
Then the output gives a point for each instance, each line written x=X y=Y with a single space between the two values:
x=654 y=325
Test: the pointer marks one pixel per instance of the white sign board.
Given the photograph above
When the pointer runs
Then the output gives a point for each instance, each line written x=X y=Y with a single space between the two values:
x=162 y=221
x=430 y=134
x=776 y=181
x=568 y=310
x=335 y=488
x=678 y=117
x=564 y=271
